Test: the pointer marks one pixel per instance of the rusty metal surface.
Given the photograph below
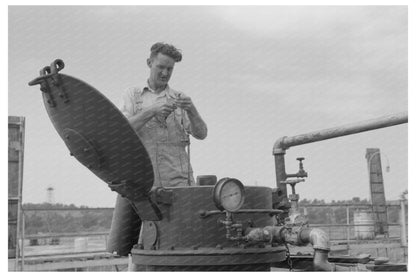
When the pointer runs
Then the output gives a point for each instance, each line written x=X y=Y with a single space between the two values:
x=354 y=128
x=205 y=213
x=186 y=241
x=96 y=132
x=210 y=257
x=182 y=225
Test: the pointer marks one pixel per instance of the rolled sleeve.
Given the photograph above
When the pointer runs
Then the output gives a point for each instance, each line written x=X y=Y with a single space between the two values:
x=126 y=105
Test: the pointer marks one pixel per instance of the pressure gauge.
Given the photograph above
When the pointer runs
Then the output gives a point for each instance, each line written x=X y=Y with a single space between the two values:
x=229 y=194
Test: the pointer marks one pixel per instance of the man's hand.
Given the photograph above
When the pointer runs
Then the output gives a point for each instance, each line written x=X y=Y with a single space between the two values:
x=184 y=102
x=162 y=109
x=198 y=126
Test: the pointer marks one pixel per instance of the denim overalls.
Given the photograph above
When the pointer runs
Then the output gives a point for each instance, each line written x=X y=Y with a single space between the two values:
x=165 y=141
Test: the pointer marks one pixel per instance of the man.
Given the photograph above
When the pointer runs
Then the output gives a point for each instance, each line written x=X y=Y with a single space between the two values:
x=163 y=117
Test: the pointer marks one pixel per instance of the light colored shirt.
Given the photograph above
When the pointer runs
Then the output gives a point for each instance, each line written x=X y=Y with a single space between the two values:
x=165 y=139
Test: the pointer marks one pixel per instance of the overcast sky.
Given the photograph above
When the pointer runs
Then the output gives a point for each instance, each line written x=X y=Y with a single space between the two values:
x=255 y=74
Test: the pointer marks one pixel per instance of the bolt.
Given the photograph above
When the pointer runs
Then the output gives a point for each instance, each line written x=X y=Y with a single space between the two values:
x=172 y=247
x=71 y=154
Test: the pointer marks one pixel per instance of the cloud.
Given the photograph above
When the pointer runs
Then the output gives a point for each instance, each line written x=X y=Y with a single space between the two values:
x=274 y=20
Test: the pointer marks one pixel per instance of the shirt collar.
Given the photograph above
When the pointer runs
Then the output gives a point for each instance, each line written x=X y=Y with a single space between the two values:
x=166 y=92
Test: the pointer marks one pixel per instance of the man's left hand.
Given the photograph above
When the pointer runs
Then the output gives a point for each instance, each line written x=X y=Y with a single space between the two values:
x=184 y=102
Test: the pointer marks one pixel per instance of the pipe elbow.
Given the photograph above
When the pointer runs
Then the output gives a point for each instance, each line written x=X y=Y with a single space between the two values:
x=321 y=245
x=279 y=146
x=320 y=261
x=319 y=239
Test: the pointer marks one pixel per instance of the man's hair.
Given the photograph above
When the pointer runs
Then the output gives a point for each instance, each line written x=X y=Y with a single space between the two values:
x=166 y=49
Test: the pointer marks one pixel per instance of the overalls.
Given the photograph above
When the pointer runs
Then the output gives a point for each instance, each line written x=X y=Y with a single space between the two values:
x=165 y=141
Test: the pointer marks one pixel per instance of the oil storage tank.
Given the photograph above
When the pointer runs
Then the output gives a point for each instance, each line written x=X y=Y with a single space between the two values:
x=364 y=225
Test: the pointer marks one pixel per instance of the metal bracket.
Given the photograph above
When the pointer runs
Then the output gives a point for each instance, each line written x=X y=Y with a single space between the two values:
x=143 y=204
x=56 y=66
x=162 y=196
x=49 y=76
x=125 y=189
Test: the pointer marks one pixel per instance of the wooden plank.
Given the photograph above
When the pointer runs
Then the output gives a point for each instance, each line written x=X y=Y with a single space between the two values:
x=12 y=212
x=12 y=240
x=13 y=179
x=75 y=264
x=16 y=130
x=78 y=234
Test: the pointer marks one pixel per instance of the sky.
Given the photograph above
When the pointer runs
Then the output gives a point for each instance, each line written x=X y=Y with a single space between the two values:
x=255 y=73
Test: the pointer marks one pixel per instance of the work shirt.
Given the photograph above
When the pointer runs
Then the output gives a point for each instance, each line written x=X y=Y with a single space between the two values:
x=165 y=139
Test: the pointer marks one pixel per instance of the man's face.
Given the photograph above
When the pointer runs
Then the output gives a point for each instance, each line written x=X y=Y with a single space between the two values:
x=161 y=68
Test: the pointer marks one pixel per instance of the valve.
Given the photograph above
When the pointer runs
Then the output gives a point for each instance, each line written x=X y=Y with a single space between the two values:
x=295 y=218
x=301 y=173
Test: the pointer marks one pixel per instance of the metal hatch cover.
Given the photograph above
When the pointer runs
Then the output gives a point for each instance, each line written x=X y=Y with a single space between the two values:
x=96 y=133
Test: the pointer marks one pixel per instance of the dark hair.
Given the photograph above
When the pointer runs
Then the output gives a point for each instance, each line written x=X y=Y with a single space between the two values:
x=166 y=49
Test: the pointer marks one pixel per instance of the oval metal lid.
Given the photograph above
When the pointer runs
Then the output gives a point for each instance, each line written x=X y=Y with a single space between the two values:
x=98 y=134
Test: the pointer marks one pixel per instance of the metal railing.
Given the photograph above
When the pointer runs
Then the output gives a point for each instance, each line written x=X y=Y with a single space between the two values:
x=348 y=226
x=45 y=236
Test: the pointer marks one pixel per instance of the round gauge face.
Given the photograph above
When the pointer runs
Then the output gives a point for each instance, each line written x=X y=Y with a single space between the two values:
x=229 y=194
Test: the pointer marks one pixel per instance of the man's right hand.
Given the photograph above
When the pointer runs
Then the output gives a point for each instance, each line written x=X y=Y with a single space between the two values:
x=162 y=109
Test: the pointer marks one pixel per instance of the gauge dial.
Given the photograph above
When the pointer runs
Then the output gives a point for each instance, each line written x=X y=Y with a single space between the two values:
x=229 y=194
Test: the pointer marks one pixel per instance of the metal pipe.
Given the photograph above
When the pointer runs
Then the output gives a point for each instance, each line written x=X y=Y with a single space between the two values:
x=284 y=143
x=318 y=238
x=280 y=234
x=205 y=213
x=321 y=245
x=281 y=201
x=403 y=235
x=348 y=230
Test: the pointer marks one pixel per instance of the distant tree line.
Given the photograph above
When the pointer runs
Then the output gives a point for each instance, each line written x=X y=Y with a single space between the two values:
x=53 y=218
x=338 y=215
x=60 y=218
